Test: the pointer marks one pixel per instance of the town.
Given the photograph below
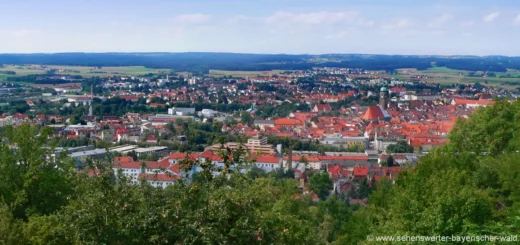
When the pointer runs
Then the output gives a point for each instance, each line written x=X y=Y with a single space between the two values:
x=354 y=124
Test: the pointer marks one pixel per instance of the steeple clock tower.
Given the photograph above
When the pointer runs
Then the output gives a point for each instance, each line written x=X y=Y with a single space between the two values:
x=383 y=98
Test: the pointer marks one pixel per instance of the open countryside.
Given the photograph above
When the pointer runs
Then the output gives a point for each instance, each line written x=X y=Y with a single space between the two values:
x=84 y=71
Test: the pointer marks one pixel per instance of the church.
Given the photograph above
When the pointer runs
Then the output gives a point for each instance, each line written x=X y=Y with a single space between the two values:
x=378 y=112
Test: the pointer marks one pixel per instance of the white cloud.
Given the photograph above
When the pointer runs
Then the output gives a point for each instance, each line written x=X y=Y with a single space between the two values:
x=491 y=17
x=312 y=18
x=366 y=23
x=192 y=18
x=339 y=35
x=397 y=24
x=440 y=21
x=468 y=23
x=517 y=20
x=240 y=18
x=19 y=32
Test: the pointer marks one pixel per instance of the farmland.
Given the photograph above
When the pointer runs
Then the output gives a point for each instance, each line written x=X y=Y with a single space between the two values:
x=220 y=73
x=446 y=76
x=84 y=71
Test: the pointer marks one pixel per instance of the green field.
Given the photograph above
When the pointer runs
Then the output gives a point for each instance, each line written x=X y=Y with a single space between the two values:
x=446 y=76
x=85 y=71
x=220 y=73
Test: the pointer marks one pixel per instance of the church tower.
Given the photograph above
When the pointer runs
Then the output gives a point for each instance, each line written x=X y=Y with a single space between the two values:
x=383 y=98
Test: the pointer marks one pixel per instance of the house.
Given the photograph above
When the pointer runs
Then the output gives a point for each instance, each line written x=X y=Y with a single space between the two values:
x=157 y=174
x=159 y=180
x=175 y=158
x=263 y=123
x=106 y=135
x=151 y=139
x=322 y=108
x=399 y=159
x=7 y=121
x=267 y=163
x=288 y=122
x=361 y=172
x=472 y=103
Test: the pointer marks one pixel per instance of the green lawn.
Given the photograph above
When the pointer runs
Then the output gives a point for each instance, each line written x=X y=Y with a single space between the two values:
x=446 y=76
x=445 y=70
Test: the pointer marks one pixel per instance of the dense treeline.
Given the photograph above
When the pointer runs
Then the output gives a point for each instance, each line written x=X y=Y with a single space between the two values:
x=202 y=62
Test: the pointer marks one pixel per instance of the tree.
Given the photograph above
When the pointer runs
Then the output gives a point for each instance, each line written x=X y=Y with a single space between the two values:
x=304 y=160
x=29 y=183
x=389 y=161
x=321 y=184
x=246 y=118
x=400 y=147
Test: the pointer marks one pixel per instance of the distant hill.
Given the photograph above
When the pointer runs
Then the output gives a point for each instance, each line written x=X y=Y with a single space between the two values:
x=202 y=62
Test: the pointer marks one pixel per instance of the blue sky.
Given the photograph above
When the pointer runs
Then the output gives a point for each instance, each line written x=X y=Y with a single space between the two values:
x=452 y=27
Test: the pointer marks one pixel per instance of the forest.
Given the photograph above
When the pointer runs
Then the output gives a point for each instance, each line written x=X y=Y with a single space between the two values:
x=467 y=187
x=203 y=62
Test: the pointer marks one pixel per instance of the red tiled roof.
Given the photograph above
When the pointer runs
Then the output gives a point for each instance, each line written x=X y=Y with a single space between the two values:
x=299 y=158
x=373 y=113
x=267 y=159
x=179 y=155
x=123 y=159
x=459 y=101
x=133 y=165
x=287 y=121
x=209 y=155
x=157 y=165
x=351 y=158
x=360 y=171
x=323 y=107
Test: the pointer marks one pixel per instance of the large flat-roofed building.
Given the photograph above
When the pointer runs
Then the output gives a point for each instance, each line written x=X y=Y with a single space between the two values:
x=346 y=142
x=122 y=148
x=160 y=150
x=263 y=123
x=181 y=111
x=255 y=145
x=81 y=156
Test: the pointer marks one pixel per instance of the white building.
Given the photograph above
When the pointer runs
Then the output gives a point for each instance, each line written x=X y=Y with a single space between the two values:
x=208 y=113
x=8 y=121
x=157 y=174
x=181 y=111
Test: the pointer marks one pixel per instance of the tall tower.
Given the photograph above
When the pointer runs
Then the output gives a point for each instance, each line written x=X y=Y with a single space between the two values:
x=91 y=98
x=383 y=98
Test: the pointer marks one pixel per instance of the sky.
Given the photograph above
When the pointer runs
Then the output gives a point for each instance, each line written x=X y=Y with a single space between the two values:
x=410 y=27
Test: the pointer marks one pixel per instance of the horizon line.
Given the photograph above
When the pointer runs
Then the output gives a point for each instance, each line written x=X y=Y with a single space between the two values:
x=246 y=53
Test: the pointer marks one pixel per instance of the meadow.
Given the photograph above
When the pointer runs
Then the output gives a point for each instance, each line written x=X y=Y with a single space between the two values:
x=84 y=71
x=446 y=76
x=221 y=73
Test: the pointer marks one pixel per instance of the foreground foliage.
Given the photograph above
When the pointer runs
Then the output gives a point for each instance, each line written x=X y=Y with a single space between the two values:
x=469 y=187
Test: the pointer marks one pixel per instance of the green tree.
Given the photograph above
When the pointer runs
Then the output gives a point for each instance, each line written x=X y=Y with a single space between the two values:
x=321 y=184
x=389 y=161
x=30 y=183
x=400 y=147
x=246 y=118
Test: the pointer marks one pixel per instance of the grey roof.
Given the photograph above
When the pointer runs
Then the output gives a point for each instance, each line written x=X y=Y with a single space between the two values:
x=264 y=122
x=88 y=153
